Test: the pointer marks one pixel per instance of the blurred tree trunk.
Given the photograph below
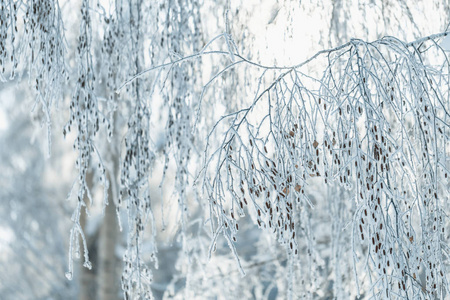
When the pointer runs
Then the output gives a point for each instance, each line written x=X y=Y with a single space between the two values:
x=87 y=277
x=102 y=281
x=107 y=280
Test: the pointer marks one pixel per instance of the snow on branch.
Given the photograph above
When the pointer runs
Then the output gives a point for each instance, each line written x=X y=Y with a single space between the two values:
x=375 y=120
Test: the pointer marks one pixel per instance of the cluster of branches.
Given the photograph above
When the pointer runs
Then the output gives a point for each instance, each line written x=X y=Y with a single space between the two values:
x=376 y=121
x=372 y=118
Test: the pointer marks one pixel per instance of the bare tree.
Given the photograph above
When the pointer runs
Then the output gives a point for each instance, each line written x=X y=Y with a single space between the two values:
x=325 y=178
